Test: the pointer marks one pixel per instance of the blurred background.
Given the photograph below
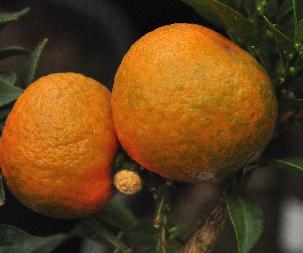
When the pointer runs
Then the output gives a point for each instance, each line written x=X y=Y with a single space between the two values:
x=91 y=37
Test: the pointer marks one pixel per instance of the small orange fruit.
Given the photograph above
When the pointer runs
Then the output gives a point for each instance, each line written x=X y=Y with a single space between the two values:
x=191 y=105
x=58 y=145
x=127 y=182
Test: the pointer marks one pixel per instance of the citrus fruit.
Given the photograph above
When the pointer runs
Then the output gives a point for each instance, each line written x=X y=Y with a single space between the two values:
x=58 y=145
x=127 y=182
x=191 y=105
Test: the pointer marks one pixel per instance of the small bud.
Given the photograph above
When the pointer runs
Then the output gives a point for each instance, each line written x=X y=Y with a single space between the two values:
x=157 y=222
x=298 y=46
x=292 y=70
x=290 y=56
x=261 y=7
x=127 y=182
x=269 y=34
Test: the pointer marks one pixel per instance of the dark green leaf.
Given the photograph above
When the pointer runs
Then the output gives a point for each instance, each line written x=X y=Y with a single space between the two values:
x=118 y=215
x=299 y=31
x=34 y=60
x=2 y=194
x=238 y=3
x=250 y=7
x=92 y=228
x=202 y=7
x=4 y=112
x=247 y=220
x=231 y=3
x=143 y=236
x=290 y=102
x=238 y=26
x=8 y=78
x=299 y=64
x=298 y=10
x=14 y=240
x=263 y=58
x=294 y=103
x=285 y=9
x=8 y=17
x=178 y=230
x=289 y=163
x=12 y=51
x=8 y=93
x=285 y=44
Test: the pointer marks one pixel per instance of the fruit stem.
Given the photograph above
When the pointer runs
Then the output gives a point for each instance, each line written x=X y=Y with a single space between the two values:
x=204 y=239
x=161 y=196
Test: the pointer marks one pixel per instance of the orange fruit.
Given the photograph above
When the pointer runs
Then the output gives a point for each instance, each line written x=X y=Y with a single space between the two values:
x=127 y=182
x=191 y=105
x=58 y=145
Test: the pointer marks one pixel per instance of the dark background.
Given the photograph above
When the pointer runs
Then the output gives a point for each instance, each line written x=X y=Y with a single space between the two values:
x=91 y=37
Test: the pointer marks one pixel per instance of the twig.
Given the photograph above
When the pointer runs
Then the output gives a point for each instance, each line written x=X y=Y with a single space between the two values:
x=204 y=239
x=160 y=220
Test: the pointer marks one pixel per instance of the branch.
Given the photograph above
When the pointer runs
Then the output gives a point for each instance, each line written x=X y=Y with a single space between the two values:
x=204 y=239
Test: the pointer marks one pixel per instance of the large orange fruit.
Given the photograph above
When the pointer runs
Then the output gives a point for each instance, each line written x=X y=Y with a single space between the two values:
x=58 y=145
x=191 y=105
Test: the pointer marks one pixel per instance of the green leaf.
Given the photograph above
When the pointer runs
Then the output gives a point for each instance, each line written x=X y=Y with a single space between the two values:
x=8 y=93
x=92 y=228
x=299 y=64
x=143 y=236
x=238 y=26
x=202 y=7
x=8 y=17
x=178 y=230
x=118 y=215
x=2 y=194
x=115 y=214
x=231 y=3
x=285 y=44
x=298 y=10
x=4 y=112
x=285 y=8
x=14 y=240
x=247 y=220
x=289 y=101
x=12 y=51
x=289 y=163
x=34 y=60
x=299 y=31
x=249 y=6
x=8 y=77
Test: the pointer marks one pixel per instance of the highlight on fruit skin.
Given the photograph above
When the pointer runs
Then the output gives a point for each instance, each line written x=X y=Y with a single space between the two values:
x=58 y=145
x=191 y=105
x=127 y=182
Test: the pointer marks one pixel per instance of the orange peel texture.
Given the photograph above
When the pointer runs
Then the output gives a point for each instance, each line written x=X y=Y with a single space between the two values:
x=58 y=145
x=191 y=105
